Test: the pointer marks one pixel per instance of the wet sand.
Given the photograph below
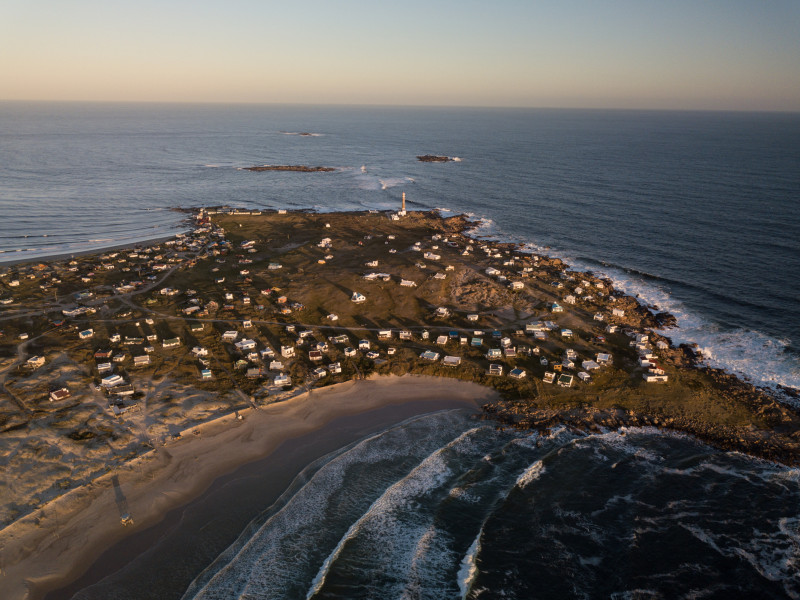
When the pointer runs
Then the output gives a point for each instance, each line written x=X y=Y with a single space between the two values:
x=191 y=499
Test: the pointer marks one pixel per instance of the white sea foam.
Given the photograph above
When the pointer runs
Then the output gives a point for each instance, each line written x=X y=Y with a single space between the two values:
x=394 y=528
x=531 y=474
x=469 y=568
x=752 y=355
x=271 y=558
x=391 y=182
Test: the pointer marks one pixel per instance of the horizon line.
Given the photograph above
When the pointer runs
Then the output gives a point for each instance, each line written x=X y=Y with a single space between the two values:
x=388 y=105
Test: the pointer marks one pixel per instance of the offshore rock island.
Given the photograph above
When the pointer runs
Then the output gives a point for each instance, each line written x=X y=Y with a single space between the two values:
x=297 y=168
x=434 y=158
x=129 y=357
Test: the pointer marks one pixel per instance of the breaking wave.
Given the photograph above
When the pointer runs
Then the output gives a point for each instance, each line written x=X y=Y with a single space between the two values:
x=437 y=507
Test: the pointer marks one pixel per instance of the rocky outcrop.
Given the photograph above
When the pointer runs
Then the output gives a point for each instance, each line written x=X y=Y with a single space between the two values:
x=298 y=168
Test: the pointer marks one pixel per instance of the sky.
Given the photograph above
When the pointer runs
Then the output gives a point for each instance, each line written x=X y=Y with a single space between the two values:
x=670 y=54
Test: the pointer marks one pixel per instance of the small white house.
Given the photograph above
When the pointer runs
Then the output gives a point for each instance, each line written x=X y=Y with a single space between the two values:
x=287 y=351
x=112 y=381
x=358 y=298
x=245 y=344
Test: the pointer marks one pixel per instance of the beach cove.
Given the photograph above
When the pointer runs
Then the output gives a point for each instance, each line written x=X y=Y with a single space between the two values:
x=51 y=547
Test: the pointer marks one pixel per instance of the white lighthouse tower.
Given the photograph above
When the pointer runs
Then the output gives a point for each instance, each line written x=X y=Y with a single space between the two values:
x=402 y=212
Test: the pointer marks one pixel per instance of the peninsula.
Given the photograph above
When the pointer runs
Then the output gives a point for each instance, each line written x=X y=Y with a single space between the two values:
x=128 y=357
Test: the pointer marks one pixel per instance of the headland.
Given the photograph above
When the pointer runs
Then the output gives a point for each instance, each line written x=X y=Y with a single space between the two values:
x=253 y=326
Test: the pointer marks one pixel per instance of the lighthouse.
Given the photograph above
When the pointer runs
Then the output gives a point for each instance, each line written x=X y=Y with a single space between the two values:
x=402 y=212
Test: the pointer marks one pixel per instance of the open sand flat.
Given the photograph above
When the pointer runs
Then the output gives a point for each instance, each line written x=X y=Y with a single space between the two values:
x=54 y=545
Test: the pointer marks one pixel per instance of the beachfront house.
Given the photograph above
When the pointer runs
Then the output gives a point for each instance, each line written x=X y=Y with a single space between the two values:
x=281 y=380
x=171 y=343
x=363 y=344
x=585 y=377
x=589 y=365
x=565 y=380
x=230 y=336
x=517 y=373
x=495 y=369
x=141 y=360
x=335 y=368
x=287 y=351
x=315 y=355
x=86 y=334
x=350 y=351
x=430 y=355
x=441 y=340
x=276 y=365
x=618 y=312
x=451 y=361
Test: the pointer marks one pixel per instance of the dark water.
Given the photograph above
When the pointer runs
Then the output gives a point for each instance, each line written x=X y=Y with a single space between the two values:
x=438 y=507
x=697 y=213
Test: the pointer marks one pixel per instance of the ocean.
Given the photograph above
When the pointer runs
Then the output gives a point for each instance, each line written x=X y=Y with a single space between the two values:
x=696 y=213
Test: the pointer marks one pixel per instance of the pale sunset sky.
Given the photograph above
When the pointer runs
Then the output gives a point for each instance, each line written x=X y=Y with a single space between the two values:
x=677 y=54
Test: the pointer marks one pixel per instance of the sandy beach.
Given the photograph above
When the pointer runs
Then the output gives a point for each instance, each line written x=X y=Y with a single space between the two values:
x=56 y=544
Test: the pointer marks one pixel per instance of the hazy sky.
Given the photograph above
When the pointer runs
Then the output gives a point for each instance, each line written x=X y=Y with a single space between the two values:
x=710 y=54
